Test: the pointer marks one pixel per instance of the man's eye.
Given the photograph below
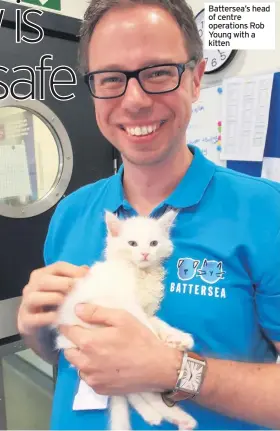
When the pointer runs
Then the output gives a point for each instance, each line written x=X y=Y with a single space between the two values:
x=159 y=73
x=132 y=243
x=109 y=80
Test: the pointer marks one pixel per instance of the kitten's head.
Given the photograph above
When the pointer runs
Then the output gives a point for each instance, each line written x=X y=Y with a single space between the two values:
x=143 y=241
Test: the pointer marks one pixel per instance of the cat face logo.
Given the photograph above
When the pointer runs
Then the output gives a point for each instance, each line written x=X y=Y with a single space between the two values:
x=211 y=271
x=187 y=268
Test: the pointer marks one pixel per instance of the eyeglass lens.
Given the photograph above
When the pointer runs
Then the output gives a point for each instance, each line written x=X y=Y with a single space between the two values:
x=156 y=79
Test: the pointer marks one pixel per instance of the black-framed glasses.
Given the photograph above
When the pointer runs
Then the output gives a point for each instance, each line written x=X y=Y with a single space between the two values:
x=158 y=79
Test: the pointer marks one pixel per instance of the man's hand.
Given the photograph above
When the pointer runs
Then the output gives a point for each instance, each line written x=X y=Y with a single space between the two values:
x=42 y=295
x=122 y=355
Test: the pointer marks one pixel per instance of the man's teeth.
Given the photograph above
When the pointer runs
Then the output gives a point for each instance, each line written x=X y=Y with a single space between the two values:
x=141 y=131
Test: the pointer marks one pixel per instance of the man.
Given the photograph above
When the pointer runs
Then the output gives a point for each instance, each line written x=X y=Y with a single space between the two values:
x=223 y=282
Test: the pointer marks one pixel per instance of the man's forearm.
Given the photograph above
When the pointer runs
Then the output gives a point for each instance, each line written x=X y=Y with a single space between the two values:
x=250 y=392
x=43 y=345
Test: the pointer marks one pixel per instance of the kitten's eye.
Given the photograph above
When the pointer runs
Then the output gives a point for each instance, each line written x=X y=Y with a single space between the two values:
x=153 y=243
x=132 y=243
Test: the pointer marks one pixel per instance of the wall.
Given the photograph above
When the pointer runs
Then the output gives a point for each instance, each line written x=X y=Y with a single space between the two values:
x=246 y=62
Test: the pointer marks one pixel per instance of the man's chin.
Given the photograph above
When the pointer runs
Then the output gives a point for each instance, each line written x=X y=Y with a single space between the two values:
x=144 y=159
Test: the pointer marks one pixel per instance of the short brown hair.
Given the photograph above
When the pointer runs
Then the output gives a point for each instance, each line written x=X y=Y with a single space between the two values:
x=179 y=9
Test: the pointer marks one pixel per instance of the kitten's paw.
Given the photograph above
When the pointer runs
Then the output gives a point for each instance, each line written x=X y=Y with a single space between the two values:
x=152 y=417
x=182 y=419
x=180 y=340
x=147 y=409
x=63 y=343
x=187 y=425
x=120 y=425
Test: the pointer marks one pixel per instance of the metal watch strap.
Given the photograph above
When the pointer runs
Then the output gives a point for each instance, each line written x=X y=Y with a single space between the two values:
x=178 y=394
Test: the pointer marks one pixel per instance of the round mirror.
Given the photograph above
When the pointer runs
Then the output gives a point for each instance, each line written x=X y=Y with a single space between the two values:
x=29 y=157
x=34 y=167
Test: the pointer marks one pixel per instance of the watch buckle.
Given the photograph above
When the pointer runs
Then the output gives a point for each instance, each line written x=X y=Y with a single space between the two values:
x=166 y=400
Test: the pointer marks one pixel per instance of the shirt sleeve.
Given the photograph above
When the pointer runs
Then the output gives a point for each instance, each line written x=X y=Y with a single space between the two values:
x=268 y=293
x=52 y=240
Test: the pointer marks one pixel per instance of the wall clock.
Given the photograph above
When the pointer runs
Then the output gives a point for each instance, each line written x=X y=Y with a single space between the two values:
x=216 y=60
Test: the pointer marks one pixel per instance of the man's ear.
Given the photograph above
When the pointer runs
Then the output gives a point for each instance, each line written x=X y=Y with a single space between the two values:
x=198 y=73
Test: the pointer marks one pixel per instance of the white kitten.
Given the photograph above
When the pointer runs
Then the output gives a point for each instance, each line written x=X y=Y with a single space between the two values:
x=131 y=278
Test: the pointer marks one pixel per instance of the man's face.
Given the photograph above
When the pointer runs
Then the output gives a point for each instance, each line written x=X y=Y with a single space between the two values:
x=129 y=39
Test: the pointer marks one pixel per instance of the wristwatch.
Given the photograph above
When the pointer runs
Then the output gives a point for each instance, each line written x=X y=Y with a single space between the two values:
x=190 y=379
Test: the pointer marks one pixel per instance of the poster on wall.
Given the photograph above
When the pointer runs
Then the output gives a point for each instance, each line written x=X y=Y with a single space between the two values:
x=256 y=153
x=246 y=106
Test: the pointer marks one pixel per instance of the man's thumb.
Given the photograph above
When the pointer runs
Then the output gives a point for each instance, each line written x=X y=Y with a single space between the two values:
x=95 y=314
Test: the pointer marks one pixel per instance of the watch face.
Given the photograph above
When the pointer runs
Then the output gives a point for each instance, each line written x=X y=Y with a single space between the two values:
x=192 y=376
x=216 y=60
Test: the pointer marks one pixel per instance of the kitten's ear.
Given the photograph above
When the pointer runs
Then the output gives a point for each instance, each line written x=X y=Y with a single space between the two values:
x=167 y=219
x=113 y=223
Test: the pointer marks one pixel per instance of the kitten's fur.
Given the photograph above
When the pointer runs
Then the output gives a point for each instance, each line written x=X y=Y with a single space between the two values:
x=132 y=280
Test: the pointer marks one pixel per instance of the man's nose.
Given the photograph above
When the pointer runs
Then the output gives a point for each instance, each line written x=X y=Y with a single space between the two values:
x=135 y=98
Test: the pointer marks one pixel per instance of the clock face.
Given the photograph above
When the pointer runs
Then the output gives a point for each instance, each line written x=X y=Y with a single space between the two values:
x=192 y=376
x=216 y=60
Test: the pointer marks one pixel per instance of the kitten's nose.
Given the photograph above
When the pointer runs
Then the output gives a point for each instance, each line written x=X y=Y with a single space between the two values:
x=145 y=255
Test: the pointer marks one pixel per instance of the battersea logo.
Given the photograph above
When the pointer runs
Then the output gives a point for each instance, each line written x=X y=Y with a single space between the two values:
x=205 y=274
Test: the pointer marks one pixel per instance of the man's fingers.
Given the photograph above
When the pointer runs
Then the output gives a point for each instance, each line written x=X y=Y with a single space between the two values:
x=83 y=338
x=50 y=283
x=96 y=314
x=78 y=359
x=64 y=269
x=55 y=283
x=89 y=339
x=38 y=300
x=56 y=280
x=38 y=320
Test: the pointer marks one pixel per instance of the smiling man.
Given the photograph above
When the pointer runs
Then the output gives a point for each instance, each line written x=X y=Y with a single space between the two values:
x=143 y=66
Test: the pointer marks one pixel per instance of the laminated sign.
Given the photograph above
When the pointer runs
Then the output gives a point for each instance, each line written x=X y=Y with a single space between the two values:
x=51 y=4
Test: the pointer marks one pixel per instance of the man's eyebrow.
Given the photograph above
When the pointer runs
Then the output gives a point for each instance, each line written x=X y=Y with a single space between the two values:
x=152 y=62
x=158 y=61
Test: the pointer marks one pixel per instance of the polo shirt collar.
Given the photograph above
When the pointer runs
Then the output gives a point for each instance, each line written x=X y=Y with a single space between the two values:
x=193 y=185
x=188 y=192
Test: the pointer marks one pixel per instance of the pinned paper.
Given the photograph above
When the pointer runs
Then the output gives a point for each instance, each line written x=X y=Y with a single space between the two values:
x=204 y=130
x=246 y=105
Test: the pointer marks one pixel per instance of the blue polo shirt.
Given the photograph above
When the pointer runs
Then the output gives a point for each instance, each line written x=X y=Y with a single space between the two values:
x=222 y=283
